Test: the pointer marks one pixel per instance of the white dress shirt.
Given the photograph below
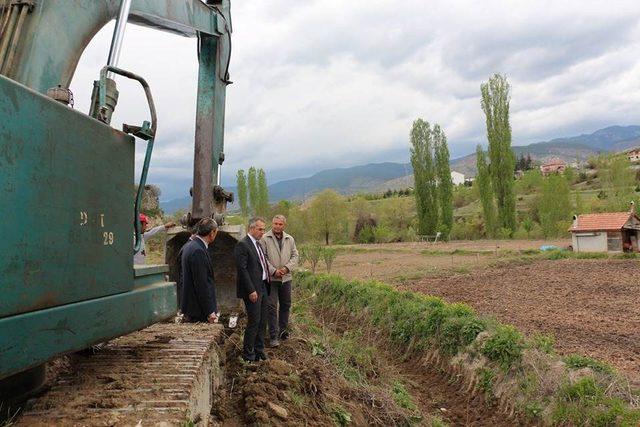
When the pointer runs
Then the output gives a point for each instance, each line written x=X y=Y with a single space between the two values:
x=260 y=257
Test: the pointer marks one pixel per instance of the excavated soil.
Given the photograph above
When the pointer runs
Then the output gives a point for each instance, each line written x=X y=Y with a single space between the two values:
x=297 y=386
x=590 y=306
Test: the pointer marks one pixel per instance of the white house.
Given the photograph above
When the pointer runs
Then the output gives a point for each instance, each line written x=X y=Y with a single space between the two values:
x=457 y=178
x=606 y=232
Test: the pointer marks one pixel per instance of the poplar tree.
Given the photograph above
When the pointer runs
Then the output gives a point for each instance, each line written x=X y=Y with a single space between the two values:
x=424 y=177
x=445 y=184
x=242 y=192
x=263 y=193
x=495 y=104
x=253 y=190
x=555 y=205
x=483 y=183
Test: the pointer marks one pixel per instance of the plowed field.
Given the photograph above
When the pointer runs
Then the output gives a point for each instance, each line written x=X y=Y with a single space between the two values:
x=592 y=307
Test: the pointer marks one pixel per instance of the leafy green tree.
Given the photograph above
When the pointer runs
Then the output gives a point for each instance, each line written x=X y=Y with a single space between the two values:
x=554 y=205
x=618 y=181
x=495 y=104
x=424 y=176
x=327 y=211
x=242 y=192
x=483 y=183
x=445 y=184
x=527 y=225
x=253 y=191
x=580 y=208
x=263 y=193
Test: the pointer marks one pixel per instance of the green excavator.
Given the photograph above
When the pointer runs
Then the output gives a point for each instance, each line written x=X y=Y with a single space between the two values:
x=68 y=209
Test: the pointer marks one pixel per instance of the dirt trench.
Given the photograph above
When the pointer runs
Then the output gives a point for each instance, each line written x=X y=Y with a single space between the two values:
x=302 y=384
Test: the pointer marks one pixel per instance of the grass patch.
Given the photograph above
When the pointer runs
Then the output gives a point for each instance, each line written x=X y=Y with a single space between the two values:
x=585 y=403
x=486 y=378
x=341 y=416
x=402 y=397
x=577 y=361
x=543 y=342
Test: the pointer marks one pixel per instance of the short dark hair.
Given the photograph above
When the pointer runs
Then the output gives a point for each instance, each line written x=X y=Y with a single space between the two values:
x=205 y=226
x=253 y=221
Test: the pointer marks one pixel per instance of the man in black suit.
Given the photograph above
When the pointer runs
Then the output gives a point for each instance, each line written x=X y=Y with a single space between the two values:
x=253 y=287
x=198 y=300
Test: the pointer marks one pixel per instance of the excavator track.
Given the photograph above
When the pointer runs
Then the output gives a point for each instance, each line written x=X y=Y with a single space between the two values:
x=163 y=375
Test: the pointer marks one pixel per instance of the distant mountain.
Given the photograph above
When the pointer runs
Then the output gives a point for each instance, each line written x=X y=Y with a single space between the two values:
x=576 y=148
x=356 y=179
x=377 y=177
x=344 y=180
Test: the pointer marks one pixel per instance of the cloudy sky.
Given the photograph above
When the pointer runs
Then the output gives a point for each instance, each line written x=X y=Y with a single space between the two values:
x=322 y=84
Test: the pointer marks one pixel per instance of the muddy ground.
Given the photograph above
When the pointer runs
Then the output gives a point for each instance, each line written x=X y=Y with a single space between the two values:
x=590 y=306
x=326 y=374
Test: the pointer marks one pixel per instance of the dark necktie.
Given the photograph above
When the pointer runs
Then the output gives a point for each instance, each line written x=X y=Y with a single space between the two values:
x=263 y=262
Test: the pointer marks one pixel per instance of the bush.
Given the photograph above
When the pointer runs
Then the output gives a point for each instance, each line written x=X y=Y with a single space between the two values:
x=366 y=235
x=312 y=254
x=504 y=346
x=329 y=255
x=383 y=234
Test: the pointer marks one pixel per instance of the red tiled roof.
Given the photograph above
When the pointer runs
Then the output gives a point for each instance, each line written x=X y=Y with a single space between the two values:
x=555 y=162
x=609 y=221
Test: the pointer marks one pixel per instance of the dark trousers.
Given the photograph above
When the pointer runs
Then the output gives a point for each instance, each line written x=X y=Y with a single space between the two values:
x=279 y=319
x=256 y=322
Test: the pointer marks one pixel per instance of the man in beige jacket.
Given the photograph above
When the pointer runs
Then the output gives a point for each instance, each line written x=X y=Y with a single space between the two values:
x=282 y=258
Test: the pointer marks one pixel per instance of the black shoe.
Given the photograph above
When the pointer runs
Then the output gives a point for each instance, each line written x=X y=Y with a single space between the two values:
x=284 y=335
x=249 y=358
x=261 y=356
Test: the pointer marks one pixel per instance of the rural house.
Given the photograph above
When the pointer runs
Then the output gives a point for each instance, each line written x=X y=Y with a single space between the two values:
x=633 y=154
x=606 y=232
x=553 y=166
x=457 y=178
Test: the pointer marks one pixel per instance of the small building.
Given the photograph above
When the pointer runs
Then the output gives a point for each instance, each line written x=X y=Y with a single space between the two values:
x=633 y=154
x=606 y=232
x=457 y=178
x=553 y=166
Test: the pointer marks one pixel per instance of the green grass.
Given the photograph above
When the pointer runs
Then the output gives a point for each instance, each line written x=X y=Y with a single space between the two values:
x=402 y=397
x=504 y=346
x=543 y=342
x=585 y=403
x=486 y=378
x=577 y=361
x=340 y=415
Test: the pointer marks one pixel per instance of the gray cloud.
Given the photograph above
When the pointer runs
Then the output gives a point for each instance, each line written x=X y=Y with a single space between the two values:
x=321 y=84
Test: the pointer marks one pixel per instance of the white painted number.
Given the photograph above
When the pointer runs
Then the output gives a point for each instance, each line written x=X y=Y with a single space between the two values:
x=108 y=238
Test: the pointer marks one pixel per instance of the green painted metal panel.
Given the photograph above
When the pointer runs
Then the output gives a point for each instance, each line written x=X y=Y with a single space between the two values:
x=57 y=32
x=30 y=339
x=66 y=192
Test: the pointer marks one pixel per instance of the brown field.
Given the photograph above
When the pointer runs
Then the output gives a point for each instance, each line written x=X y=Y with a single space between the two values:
x=590 y=306
x=403 y=262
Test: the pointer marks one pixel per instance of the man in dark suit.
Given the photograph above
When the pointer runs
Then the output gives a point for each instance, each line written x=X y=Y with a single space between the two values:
x=198 y=301
x=253 y=287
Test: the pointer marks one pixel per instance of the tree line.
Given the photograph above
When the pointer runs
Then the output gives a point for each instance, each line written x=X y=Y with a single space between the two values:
x=253 y=192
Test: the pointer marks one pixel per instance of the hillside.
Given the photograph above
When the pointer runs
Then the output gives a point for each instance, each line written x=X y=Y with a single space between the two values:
x=571 y=149
x=376 y=177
